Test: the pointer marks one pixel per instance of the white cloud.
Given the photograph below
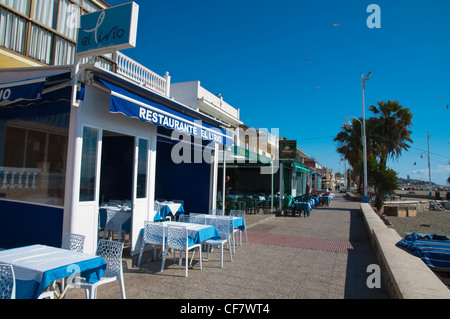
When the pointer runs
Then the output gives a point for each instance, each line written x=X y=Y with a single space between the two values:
x=439 y=175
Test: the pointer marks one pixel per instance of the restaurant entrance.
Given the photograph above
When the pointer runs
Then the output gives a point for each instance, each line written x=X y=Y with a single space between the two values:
x=123 y=182
x=116 y=173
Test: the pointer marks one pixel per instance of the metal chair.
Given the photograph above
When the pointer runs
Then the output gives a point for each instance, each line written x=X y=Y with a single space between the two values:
x=184 y=218
x=218 y=212
x=240 y=213
x=223 y=227
x=153 y=235
x=111 y=252
x=7 y=282
x=73 y=242
x=197 y=218
x=114 y=222
x=177 y=238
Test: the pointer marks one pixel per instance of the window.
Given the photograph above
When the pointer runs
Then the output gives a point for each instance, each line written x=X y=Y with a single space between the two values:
x=46 y=12
x=21 y=6
x=49 y=32
x=88 y=164
x=141 y=190
x=33 y=155
x=12 y=31
x=69 y=19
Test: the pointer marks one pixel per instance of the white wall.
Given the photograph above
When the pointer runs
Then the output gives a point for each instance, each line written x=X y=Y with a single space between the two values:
x=82 y=217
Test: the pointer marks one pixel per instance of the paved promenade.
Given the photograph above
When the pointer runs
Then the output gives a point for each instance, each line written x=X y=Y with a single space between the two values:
x=324 y=256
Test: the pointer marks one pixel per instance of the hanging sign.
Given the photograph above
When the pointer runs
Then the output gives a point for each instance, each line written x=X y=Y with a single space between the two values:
x=288 y=149
x=108 y=30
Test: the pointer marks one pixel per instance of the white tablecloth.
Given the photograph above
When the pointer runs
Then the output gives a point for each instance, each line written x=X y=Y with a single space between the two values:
x=36 y=266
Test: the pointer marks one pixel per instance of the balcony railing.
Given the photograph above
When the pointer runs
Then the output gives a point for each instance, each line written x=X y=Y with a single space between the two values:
x=18 y=177
x=140 y=74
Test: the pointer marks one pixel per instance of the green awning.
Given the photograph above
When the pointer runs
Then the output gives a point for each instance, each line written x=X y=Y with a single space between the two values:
x=299 y=167
x=236 y=155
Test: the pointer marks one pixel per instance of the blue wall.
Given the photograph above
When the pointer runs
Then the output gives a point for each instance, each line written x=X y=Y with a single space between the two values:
x=23 y=224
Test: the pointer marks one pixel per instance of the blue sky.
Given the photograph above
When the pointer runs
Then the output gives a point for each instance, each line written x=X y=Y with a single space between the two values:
x=253 y=53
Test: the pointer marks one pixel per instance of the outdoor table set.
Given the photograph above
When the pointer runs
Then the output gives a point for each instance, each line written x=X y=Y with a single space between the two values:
x=190 y=232
x=305 y=203
x=167 y=209
x=37 y=266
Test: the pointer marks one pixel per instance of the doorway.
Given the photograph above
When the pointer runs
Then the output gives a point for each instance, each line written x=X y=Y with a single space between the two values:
x=116 y=174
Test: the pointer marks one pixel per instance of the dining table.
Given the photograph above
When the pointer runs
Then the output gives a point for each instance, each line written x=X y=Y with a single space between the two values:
x=168 y=208
x=303 y=206
x=37 y=266
x=238 y=222
x=197 y=233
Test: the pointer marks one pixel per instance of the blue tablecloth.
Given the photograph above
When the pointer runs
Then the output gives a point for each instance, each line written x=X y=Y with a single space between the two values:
x=303 y=206
x=165 y=210
x=238 y=222
x=37 y=266
x=197 y=233
x=434 y=250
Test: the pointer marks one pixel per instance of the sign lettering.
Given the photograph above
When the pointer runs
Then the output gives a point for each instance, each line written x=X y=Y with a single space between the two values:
x=111 y=29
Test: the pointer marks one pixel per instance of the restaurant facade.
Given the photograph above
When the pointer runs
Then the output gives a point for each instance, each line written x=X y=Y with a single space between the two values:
x=61 y=161
x=81 y=130
x=104 y=129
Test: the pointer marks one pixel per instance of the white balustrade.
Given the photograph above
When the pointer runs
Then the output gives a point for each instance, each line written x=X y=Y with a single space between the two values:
x=145 y=77
x=18 y=177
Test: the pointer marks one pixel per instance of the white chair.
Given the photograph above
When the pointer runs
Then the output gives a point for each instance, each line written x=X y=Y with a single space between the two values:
x=197 y=218
x=7 y=282
x=223 y=227
x=114 y=222
x=240 y=213
x=177 y=238
x=153 y=235
x=111 y=252
x=218 y=212
x=184 y=218
x=73 y=242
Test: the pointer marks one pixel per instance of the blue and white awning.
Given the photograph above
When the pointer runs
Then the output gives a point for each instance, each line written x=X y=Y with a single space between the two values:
x=31 y=90
x=13 y=92
x=134 y=105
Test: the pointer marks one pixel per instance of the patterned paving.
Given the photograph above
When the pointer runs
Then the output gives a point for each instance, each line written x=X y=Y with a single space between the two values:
x=313 y=243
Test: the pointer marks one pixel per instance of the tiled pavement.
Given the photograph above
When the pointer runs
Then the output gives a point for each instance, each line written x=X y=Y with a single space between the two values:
x=324 y=256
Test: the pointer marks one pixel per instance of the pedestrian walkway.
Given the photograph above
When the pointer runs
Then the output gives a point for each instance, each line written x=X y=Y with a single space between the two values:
x=324 y=256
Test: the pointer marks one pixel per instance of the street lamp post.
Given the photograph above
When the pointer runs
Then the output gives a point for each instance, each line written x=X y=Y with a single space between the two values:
x=363 y=86
x=366 y=198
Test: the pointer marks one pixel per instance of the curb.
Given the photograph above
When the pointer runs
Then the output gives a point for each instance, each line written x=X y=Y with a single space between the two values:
x=407 y=276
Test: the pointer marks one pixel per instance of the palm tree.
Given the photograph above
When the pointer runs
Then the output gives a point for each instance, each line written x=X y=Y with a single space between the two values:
x=349 y=144
x=349 y=141
x=390 y=132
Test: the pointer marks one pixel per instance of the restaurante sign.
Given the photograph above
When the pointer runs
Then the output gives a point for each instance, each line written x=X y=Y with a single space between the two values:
x=110 y=29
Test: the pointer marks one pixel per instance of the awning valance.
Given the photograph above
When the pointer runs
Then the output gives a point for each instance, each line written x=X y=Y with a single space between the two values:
x=29 y=89
x=131 y=104
x=298 y=167
x=236 y=155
